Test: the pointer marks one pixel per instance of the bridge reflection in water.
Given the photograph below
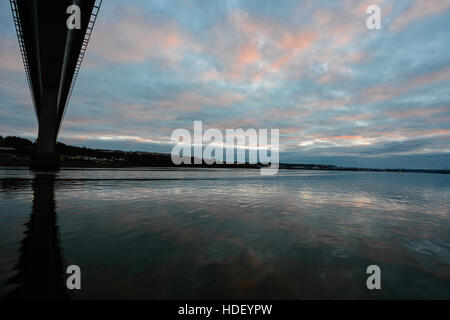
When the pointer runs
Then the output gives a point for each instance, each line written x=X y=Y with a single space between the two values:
x=41 y=263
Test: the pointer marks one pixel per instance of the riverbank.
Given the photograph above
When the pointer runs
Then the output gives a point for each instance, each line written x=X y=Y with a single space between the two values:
x=16 y=151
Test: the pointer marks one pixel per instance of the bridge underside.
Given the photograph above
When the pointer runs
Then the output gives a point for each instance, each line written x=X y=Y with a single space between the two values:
x=52 y=55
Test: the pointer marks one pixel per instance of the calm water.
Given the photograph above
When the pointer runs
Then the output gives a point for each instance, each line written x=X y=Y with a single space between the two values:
x=224 y=234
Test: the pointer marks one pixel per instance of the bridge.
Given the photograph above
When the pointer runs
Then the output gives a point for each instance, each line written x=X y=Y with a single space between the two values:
x=52 y=54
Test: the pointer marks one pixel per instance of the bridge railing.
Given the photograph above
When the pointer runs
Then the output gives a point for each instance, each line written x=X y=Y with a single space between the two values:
x=17 y=24
x=84 y=45
x=86 y=39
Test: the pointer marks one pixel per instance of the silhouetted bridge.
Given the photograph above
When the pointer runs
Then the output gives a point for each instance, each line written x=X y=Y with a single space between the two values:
x=52 y=54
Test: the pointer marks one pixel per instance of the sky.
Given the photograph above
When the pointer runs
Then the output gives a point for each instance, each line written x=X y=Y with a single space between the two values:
x=339 y=93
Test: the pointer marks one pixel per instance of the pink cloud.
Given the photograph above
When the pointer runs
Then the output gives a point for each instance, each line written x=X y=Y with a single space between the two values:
x=297 y=41
x=364 y=137
x=191 y=101
x=134 y=38
x=417 y=113
x=263 y=50
x=10 y=58
x=247 y=54
x=254 y=49
x=387 y=91
x=419 y=9
x=353 y=117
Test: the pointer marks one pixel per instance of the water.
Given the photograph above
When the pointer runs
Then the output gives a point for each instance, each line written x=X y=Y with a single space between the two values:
x=175 y=234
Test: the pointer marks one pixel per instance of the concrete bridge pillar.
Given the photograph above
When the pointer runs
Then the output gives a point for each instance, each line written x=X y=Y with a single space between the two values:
x=46 y=142
x=45 y=157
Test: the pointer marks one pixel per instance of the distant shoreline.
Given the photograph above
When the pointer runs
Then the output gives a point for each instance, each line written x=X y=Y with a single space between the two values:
x=16 y=152
x=88 y=165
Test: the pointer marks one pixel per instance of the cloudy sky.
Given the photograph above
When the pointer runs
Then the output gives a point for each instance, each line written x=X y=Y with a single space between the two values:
x=339 y=93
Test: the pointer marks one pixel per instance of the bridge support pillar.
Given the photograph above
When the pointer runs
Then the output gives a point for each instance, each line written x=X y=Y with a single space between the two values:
x=45 y=157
